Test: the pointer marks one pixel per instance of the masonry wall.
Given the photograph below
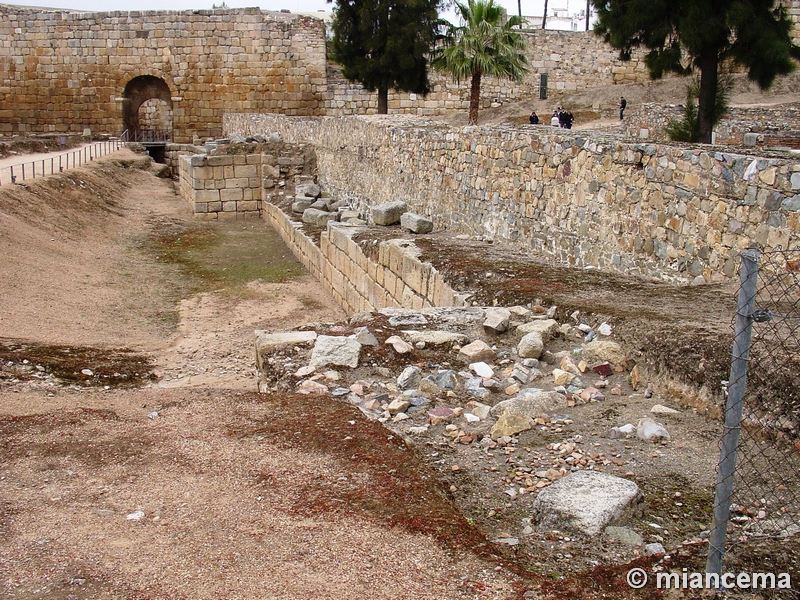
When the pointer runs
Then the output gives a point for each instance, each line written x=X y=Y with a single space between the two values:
x=649 y=209
x=357 y=282
x=63 y=72
x=573 y=61
x=779 y=124
x=234 y=186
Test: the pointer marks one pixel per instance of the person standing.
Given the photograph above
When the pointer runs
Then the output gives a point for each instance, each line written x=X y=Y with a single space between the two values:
x=534 y=118
x=622 y=104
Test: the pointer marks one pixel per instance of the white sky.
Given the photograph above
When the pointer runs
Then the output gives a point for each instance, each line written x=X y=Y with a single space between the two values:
x=529 y=7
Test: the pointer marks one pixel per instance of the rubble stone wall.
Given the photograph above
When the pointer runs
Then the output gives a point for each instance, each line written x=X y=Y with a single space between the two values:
x=358 y=282
x=650 y=209
x=776 y=122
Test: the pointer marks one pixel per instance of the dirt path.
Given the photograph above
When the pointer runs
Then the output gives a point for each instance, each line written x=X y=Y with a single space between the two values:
x=223 y=483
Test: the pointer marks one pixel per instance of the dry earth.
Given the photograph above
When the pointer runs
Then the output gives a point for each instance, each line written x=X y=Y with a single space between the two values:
x=138 y=462
x=84 y=288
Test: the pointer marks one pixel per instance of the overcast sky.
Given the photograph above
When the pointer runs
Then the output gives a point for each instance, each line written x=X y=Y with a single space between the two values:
x=529 y=7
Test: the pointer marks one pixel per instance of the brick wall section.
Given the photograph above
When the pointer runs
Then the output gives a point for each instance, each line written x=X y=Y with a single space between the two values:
x=649 y=209
x=62 y=71
x=357 y=282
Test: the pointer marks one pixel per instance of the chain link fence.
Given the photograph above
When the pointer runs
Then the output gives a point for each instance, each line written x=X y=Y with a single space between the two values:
x=756 y=525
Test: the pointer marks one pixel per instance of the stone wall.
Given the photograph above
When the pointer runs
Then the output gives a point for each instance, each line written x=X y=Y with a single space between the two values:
x=394 y=277
x=573 y=61
x=781 y=122
x=64 y=71
x=649 y=209
x=221 y=185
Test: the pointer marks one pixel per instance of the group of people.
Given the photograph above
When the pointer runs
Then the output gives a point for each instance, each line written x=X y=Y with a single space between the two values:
x=561 y=118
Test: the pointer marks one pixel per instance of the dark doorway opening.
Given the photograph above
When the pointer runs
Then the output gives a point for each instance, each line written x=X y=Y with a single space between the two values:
x=158 y=152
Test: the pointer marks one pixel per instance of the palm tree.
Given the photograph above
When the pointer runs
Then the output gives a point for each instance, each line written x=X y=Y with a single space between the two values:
x=482 y=45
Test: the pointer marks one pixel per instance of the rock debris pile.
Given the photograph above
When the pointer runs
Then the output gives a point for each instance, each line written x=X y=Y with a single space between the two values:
x=478 y=378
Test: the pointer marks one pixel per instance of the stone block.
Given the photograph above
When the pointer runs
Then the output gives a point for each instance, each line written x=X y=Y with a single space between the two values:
x=247 y=205
x=228 y=195
x=219 y=161
x=415 y=223
x=319 y=218
x=245 y=171
x=584 y=502
x=206 y=196
x=388 y=213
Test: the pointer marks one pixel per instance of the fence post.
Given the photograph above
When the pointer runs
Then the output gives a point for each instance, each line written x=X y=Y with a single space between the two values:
x=733 y=408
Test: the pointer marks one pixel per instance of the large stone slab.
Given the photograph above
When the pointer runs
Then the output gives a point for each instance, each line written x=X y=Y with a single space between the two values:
x=584 y=502
x=600 y=351
x=267 y=340
x=531 y=403
x=389 y=213
x=415 y=223
x=319 y=218
x=435 y=337
x=548 y=328
x=335 y=350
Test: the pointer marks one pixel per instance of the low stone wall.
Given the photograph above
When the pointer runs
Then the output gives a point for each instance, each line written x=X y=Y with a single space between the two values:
x=360 y=283
x=775 y=122
x=221 y=185
x=649 y=209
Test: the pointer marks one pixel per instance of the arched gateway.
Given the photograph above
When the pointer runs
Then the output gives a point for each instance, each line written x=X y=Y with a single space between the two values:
x=147 y=110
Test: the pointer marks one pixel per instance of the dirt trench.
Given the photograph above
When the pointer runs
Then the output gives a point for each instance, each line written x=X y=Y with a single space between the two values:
x=138 y=461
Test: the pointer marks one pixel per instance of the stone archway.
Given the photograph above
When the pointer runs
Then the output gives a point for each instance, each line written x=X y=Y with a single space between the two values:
x=147 y=109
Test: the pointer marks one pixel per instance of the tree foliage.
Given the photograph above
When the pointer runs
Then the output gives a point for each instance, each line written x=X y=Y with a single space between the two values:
x=385 y=44
x=482 y=45
x=686 y=35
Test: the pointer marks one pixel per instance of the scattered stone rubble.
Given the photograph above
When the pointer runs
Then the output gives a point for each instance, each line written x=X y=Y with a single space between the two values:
x=471 y=376
x=317 y=208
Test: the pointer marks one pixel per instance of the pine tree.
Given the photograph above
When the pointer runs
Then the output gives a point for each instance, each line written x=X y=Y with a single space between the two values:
x=686 y=35
x=482 y=45
x=385 y=44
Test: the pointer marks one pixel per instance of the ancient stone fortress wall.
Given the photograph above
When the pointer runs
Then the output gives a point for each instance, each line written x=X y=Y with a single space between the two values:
x=573 y=61
x=649 y=209
x=66 y=71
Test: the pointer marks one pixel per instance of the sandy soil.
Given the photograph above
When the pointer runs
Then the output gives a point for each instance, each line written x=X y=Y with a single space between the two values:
x=222 y=504
x=138 y=462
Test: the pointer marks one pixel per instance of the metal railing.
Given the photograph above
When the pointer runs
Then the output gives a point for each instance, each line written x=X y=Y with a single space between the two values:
x=69 y=159
x=145 y=136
